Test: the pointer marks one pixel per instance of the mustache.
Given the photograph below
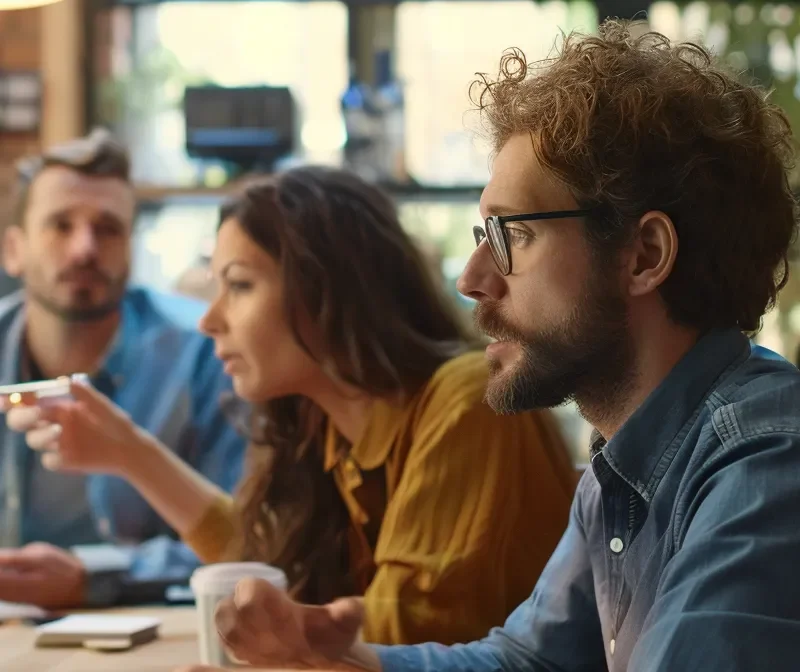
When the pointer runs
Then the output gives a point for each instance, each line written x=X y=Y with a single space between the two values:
x=75 y=272
x=489 y=320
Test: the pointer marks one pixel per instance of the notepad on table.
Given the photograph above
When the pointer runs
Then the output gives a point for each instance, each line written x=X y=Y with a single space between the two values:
x=98 y=631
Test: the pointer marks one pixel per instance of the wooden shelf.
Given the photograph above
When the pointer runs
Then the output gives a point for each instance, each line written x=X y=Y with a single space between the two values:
x=154 y=195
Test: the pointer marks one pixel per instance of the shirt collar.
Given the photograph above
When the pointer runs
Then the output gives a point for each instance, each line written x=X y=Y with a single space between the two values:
x=373 y=448
x=11 y=351
x=643 y=448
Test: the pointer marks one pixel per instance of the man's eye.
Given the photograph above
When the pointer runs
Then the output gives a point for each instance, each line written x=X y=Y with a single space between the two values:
x=519 y=237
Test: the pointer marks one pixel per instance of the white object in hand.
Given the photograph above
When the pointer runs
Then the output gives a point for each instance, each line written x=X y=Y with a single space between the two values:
x=42 y=391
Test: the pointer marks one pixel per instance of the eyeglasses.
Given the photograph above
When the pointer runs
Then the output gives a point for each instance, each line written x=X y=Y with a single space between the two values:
x=497 y=236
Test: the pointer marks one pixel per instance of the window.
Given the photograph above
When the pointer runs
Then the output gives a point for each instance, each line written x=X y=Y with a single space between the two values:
x=441 y=45
x=300 y=45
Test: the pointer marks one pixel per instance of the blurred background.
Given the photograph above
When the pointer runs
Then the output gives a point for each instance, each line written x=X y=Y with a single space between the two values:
x=204 y=93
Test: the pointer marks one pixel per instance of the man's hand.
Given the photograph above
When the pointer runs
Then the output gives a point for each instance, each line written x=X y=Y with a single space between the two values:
x=43 y=575
x=262 y=626
x=88 y=434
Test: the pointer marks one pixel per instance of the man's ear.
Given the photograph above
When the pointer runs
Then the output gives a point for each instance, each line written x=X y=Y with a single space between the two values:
x=13 y=250
x=653 y=253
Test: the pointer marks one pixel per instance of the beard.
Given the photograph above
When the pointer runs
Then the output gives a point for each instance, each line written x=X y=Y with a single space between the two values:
x=586 y=357
x=85 y=305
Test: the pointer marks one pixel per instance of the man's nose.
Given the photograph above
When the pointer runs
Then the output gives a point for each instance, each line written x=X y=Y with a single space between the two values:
x=83 y=243
x=481 y=279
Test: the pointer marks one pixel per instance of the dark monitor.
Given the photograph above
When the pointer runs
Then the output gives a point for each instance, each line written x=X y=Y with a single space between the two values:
x=251 y=126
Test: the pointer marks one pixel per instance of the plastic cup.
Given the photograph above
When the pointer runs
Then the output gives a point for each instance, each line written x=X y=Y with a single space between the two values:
x=213 y=583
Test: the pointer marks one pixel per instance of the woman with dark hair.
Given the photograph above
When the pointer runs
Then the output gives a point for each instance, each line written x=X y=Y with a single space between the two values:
x=376 y=468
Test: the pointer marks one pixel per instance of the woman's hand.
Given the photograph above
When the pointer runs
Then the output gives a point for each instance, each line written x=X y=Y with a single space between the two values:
x=262 y=626
x=87 y=434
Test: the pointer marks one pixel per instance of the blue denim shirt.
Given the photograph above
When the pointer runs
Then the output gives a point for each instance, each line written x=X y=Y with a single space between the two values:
x=163 y=373
x=683 y=549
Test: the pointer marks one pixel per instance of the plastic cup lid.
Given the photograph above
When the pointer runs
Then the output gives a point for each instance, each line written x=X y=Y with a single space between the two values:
x=221 y=578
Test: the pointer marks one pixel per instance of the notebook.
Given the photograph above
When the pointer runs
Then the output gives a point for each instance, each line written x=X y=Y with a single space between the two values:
x=98 y=631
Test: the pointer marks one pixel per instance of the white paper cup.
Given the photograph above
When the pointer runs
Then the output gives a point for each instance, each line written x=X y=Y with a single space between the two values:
x=213 y=583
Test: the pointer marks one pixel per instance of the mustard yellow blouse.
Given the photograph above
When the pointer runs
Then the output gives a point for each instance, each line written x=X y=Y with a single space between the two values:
x=475 y=505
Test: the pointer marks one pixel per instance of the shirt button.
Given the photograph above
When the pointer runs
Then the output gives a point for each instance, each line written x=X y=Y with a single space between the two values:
x=612 y=645
x=13 y=502
x=425 y=581
x=616 y=546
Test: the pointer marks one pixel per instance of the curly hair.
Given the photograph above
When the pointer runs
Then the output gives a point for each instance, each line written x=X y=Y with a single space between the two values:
x=636 y=124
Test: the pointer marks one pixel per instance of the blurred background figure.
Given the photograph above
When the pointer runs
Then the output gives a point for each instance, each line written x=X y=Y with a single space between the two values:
x=70 y=245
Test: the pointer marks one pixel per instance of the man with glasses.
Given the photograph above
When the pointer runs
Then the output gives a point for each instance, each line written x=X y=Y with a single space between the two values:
x=637 y=224
x=70 y=540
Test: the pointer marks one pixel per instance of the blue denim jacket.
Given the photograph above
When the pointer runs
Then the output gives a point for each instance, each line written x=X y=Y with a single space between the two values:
x=683 y=549
x=163 y=373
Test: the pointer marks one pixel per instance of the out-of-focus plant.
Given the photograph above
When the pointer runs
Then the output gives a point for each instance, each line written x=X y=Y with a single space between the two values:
x=155 y=83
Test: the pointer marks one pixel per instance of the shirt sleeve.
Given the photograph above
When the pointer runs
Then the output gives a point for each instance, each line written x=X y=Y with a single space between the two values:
x=212 y=536
x=475 y=516
x=557 y=629
x=728 y=599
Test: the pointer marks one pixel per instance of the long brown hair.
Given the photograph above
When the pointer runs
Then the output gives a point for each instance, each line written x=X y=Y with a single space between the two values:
x=383 y=325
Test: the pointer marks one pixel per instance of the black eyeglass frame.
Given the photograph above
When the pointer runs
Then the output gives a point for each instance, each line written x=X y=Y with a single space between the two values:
x=496 y=235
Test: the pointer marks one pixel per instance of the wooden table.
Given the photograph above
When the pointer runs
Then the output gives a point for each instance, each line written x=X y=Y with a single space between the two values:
x=176 y=646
